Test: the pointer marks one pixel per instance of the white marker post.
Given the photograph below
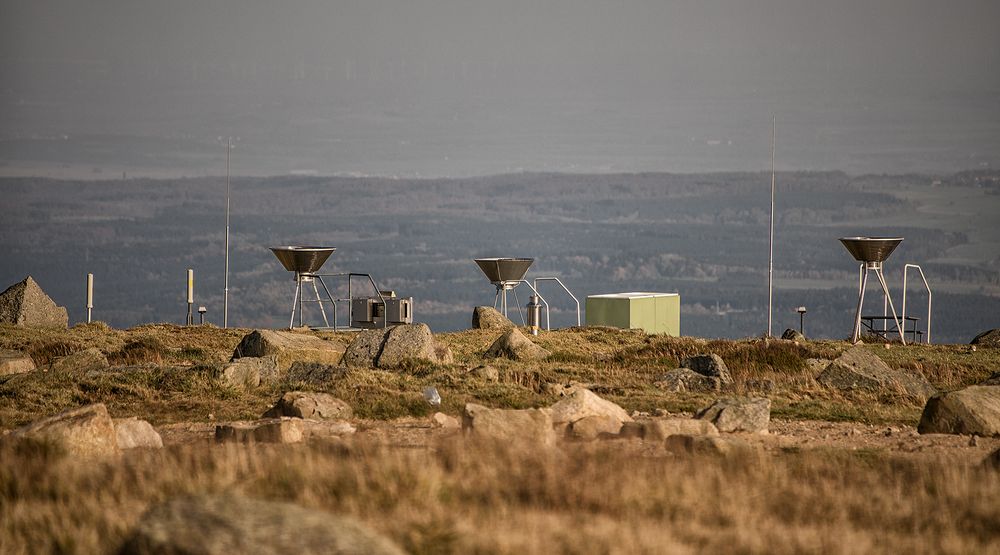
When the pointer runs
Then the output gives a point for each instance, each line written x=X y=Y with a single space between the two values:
x=190 y=296
x=90 y=295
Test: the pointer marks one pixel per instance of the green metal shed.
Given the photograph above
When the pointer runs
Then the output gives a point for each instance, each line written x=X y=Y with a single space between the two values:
x=651 y=312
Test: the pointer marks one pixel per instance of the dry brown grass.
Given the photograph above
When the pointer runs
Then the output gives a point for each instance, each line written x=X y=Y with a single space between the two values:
x=461 y=497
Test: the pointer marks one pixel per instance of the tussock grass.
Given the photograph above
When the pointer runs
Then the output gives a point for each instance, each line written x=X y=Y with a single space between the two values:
x=466 y=497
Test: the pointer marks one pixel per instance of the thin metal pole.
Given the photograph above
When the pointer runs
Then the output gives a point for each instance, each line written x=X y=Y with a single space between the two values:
x=225 y=295
x=861 y=301
x=770 y=240
x=90 y=295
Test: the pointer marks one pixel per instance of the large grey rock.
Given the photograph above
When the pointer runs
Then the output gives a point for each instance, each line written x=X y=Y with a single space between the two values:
x=133 y=433
x=287 y=348
x=489 y=318
x=229 y=524
x=87 y=431
x=989 y=338
x=515 y=346
x=793 y=335
x=659 y=429
x=25 y=304
x=709 y=365
x=681 y=444
x=267 y=430
x=412 y=342
x=859 y=369
x=88 y=359
x=527 y=425
x=583 y=403
x=314 y=373
x=971 y=410
x=15 y=362
x=308 y=404
x=685 y=380
x=391 y=347
x=738 y=414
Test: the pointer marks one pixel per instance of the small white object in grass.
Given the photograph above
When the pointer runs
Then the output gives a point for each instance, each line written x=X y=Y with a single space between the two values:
x=432 y=396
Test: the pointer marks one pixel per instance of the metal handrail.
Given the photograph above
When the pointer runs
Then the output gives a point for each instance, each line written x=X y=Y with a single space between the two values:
x=566 y=289
x=929 y=296
x=350 y=307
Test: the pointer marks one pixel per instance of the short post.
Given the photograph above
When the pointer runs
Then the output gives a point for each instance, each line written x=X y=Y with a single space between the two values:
x=201 y=315
x=90 y=295
x=190 y=296
x=802 y=312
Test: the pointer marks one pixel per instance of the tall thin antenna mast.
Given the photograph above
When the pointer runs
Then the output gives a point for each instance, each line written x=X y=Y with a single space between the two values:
x=225 y=297
x=770 y=241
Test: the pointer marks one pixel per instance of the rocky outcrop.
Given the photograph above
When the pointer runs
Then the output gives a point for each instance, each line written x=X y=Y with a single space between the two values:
x=527 y=425
x=489 y=318
x=594 y=427
x=25 y=304
x=710 y=365
x=314 y=373
x=685 y=380
x=515 y=346
x=989 y=338
x=971 y=410
x=738 y=414
x=87 y=431
x=81 y=361
x=132 y=433
x=227 y=524
x=391 y=347
x=312 y=405
x=860 y=370
x=15 y=362
x=486 y=373
x=793 y=335
x=286 y=348
x=445 y=421
x=246 y=372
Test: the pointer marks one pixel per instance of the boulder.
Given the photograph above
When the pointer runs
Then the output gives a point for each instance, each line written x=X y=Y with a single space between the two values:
x=225 y=524
x=312 y=429
x=859 y=369
x=312 y=405
x=412 y=342
x=563 y=389
x=971 y=410
x=793 y=335
x=287 y=347
x=594 y=427
x=14 y=362
x=685 y=380
x=583 y=403
x=245 y=372
x=989 y=338
x=442 y=420
x=515 y=346
x=25 y=304
x=267 y=430
x=659 y=429
x=489 y=318
x=681 y=444
x=88 y=359
x=86 y=431
x=529 y=425
x=738 y=414
x=133 y=433
x=390 y=347
x=709 y=365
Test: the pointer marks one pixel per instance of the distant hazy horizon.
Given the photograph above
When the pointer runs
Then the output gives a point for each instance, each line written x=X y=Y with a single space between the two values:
x=445 y=88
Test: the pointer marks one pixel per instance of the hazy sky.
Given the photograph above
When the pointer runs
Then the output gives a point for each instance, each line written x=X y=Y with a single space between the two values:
x=658 y=72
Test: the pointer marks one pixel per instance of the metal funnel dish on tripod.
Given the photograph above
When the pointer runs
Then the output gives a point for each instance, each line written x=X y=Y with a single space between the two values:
x=872 y=252
x=305 y=261
x=505 y=274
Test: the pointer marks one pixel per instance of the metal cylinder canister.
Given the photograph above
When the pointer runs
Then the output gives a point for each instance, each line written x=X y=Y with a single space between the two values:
x=534 y=314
